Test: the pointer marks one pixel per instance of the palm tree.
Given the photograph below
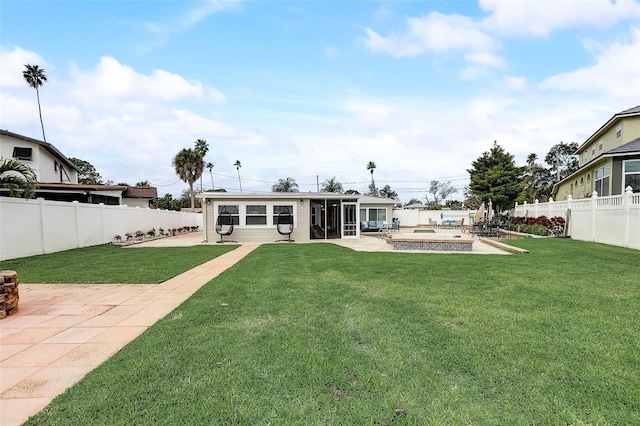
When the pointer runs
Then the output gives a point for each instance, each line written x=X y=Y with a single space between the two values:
x=35 y=77
x=202 y=147
x=188 y=165
x=332 y=185
x=18 y=178
x=238 y=165
x=285 y=185
x=210 y=167
x=371 y=166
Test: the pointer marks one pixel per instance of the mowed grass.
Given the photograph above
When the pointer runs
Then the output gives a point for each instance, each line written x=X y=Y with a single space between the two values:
x=317 y=334
x=112 y=264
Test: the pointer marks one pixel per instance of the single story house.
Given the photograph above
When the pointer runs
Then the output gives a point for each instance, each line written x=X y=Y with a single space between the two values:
x=316 y=215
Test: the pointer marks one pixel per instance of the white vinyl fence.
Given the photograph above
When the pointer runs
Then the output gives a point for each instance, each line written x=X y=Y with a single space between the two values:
x=613 y=220
x=31 y=227
x=416 y=217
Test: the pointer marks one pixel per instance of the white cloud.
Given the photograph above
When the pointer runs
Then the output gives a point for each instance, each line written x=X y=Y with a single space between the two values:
x=615 y=74
x=435 y=32
x=112 y=81
x=12 y=62
x=539 y=18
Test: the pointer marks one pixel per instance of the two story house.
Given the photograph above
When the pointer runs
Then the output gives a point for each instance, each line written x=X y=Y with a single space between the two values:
x=609 y=160
x=57 y=176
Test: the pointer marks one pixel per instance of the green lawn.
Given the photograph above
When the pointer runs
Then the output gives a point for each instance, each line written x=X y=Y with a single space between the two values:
x=317 y=334
x=112 y=264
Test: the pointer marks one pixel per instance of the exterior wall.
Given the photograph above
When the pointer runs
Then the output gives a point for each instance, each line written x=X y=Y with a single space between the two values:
x=613 y=220
x=630 y=129
x=42 y=226
x=42 y=162
x=135 y=202
x=260 y=233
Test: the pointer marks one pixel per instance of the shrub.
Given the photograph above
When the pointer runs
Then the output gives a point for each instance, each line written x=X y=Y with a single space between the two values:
x=540 y=225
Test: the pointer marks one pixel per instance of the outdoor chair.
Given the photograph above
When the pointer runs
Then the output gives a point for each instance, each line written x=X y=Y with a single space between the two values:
x=285 y=225
x=395 y=226
x=224 y=226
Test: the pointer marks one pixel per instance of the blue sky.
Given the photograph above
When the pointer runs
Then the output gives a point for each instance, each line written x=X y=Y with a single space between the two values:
x=316 y=89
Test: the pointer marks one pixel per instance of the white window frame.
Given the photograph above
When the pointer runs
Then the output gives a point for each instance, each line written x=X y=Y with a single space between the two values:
x=240 y=219
x=600 y=178
x=625 y=173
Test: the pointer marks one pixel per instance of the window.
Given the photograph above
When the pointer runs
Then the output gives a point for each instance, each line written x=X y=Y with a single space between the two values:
x=601 y=181
x=632 y=175
x=600 y=146
x=588 y=177
x=377 y=214
x=233 y=210
x=618 y=131
x=256 y=214
x=280 y=209
x=593 y=151
x=22 y=153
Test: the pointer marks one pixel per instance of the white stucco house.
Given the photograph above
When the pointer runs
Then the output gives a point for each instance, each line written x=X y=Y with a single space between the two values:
x=316 y=215
x=57 y=176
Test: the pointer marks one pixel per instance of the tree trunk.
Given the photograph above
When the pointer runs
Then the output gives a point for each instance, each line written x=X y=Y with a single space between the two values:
x=40 y=113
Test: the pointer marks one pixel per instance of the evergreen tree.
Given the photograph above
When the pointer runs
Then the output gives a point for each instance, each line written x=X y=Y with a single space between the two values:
x=496 y=178
x=87 y=173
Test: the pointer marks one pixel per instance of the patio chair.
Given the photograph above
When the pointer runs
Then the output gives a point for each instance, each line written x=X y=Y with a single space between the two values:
x=285 y=225
x=224 y=226
x=395 y=225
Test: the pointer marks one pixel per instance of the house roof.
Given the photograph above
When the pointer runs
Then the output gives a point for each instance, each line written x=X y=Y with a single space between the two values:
x=631 y=112
x=46 y=145
x=80 y=187
x=140 y=192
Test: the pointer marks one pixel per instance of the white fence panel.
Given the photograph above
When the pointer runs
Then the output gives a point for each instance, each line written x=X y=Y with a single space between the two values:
x=613 y=220
x=32 y=227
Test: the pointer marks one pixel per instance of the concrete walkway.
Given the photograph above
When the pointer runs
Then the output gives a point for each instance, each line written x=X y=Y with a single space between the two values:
x=63 y=331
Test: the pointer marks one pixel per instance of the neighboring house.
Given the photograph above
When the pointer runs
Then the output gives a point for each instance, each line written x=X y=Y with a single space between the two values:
x=609 y=160
x=49 y=164
x=316 y=215
x=58 y=177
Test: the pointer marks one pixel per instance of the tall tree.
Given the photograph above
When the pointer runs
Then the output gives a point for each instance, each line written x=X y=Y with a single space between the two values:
x=188 y=166
x=285 y=185
x=387 y=192
x=413 y=201
x=202 y=147
x=143 y=184
x=439 y=192
x=538 y=181
x=495 y=177
x=87 y=173
x=18 y=178
x=238 y=165
x=562 y=159
x=210 y=167
x=471 y=200
x=331 y=185
x=373 y=191
x=36 y=77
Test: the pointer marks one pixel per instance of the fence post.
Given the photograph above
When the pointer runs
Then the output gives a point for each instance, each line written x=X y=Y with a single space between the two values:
x=594 y=202
x=550 y=205
x=627 y=213
x=526 y=210
x=536 y=206
x=76 y=204
x=43 y=240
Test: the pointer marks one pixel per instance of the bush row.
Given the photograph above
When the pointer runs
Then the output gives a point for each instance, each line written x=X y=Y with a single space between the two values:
x=540 y=225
